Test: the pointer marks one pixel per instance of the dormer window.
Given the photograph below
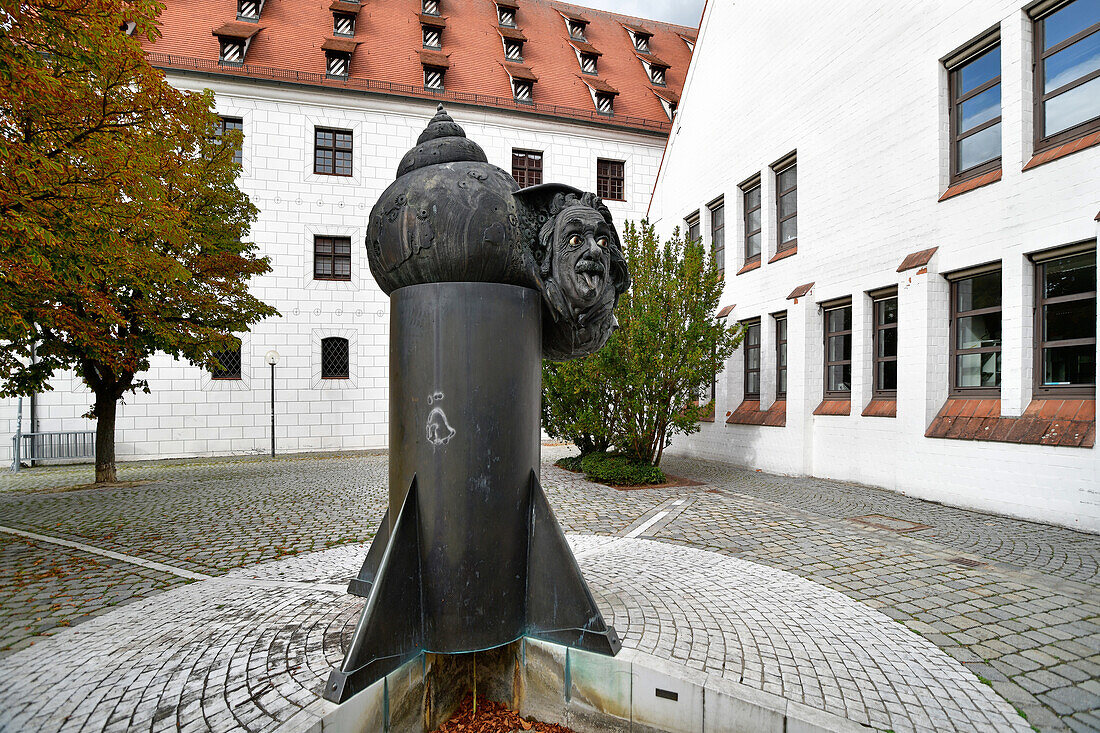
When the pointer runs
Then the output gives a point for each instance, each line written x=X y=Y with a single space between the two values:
x=338 y=64
x=232 y=50
x=431 y=7
x=641 y=43
x=523 y=90
x=588 y=63
x=433 y=78
x=669 y=100
x=433 y=38
x=343 y=24
x=338 y=57
x=690 y=42
x=234 y=39
x=513 y=50
x=605 y=103
x=657 y=75
x=576 y=29
x=506 y=15
x=249 y=9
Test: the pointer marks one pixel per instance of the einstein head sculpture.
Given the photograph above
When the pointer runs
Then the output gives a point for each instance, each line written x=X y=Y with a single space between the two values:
x=453 y=217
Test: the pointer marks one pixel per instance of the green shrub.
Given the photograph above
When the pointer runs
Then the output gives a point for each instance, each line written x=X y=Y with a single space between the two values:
x=570 y=463
x=620 y=470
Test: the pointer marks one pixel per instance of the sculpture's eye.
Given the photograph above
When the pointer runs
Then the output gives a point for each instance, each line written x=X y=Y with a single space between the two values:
x=602 y=241
x=576 y=240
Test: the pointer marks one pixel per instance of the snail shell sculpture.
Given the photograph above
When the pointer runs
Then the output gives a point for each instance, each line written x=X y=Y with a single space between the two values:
x=451 y=216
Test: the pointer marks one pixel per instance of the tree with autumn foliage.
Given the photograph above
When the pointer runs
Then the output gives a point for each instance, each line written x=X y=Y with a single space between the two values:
x=121 y=225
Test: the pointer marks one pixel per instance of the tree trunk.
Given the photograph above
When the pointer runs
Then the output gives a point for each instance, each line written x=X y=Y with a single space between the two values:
x=105 y=405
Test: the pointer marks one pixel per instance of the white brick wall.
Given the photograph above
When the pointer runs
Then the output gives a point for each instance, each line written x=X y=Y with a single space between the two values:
x=860 y=93
x=187 y=413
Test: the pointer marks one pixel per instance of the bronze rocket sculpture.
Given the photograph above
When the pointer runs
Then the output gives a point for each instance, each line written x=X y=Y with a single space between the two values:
x=485 y=280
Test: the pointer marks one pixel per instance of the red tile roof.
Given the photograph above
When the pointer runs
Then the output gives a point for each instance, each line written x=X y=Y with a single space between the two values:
x=389 y=60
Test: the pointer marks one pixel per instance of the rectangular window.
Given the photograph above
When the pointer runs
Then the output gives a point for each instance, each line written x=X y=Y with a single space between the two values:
x=781 y=357
x=975 y=93
x=605 y=103
x=1067 y=73
x=433 y=37
x=338 y=64
x=657 y=75
x=229 y=363
x=232 y=51
x=1065 y=328
x=343 y=24
x=431 y=7
x=506 y=16
x=786 y=206
x=232 y=123
x=332 y=258
x=885 y=348
x=691 y=227
x=751 y=347
x=611 y=179
x=332 y=152
x=334 y=358
x=433 y=78
x=751 y=196
x=523 y=90
x=513 y=50
x=976 y=335
x=838 y=352
x=641 y=42
x=576 y=30
x=718 y=234
x=527 y=167
x=588 y=63
x=248 y=9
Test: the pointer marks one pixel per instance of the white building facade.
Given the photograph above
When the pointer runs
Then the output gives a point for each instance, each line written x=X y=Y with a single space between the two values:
x=189 y=413
x=906 y=198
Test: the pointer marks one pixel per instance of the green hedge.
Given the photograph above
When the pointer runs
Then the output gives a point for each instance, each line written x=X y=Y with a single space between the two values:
x=616 y=469
x=570 y=463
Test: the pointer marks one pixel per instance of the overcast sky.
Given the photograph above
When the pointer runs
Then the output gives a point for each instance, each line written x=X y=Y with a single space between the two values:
x=683 y=12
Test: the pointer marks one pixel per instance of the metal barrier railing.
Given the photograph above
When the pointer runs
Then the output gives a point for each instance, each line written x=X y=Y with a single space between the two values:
x=59 y=445
x=172 y=61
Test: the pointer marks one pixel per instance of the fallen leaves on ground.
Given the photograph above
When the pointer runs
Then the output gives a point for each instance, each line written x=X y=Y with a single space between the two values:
x=493 y=717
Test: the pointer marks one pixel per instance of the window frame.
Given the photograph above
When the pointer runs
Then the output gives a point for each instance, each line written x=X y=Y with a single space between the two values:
x=425 y=31
x=954 y=352
x=779 y=170
x=605 y=99
x=337 y=56
x=747 y=188
x=428 y=70
x=981 y=46
x=608 y=178
x=336 y=18
x=877 y=390
x=595 y=63
x=502 y=12
x=693 y=221
x=718 y=234
x=1055 y=391
x=350 y=150
x=781 y=363
x=837 y=394
x=746 y=347
x=229 y=375
x=318 y=239
x=237 y=124
x=347 y=358
x=1039 y=98
x=527 y=169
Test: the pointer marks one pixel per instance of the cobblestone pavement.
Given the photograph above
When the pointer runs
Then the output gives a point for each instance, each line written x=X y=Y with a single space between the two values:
x=1022 y=610
x=252 y=649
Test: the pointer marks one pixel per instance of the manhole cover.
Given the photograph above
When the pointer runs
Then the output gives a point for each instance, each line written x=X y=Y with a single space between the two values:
x=967 y=562
x=881 y=521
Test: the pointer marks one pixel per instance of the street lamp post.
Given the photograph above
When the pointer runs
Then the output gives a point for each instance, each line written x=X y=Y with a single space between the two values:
x=272 y=360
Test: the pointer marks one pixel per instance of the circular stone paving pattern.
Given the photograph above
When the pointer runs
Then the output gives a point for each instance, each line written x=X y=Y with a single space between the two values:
x=252 y=649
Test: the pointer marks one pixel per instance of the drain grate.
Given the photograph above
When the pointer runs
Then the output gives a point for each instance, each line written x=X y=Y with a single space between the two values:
x=893 y=524
x=966 y=562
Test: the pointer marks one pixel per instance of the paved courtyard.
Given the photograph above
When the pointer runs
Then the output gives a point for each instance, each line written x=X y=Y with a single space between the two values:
x=712 y=576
